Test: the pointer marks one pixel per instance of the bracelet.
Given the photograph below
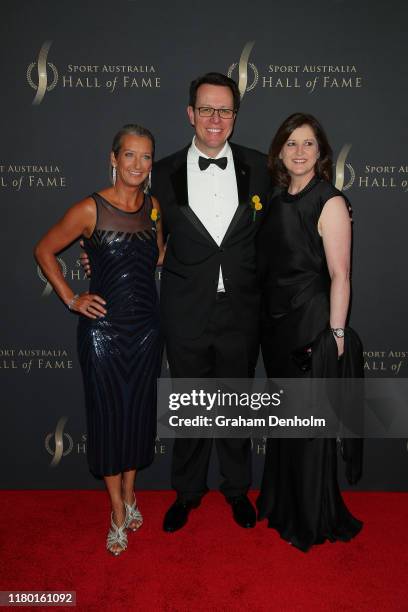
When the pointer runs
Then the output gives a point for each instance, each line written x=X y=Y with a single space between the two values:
x=72 y=301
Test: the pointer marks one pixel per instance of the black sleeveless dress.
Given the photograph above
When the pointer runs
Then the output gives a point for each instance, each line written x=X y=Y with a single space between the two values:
x=120 y=354
x=299 y=494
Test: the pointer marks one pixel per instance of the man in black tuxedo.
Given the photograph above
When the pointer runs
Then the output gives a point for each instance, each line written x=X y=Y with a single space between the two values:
x=210 y=300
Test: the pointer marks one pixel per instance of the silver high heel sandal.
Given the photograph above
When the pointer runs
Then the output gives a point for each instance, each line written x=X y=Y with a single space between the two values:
x=117 y=535
x=133 y=514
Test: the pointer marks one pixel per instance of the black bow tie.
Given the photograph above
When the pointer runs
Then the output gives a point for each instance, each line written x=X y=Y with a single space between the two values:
x=204 y=162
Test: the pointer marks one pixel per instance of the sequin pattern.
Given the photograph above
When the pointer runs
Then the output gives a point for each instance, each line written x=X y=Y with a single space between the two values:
x=120 y=354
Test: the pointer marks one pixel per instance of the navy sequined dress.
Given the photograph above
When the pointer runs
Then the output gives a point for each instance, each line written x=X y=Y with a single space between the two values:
x=120 y=354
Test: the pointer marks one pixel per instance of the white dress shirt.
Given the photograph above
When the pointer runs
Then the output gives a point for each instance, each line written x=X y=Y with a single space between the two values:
x=212 y=194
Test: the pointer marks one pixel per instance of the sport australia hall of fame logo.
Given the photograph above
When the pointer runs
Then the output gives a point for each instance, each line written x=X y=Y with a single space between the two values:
x=344 y=172
x=307 y=76
x=59 y=444
x=47 y=74
x=248 y=74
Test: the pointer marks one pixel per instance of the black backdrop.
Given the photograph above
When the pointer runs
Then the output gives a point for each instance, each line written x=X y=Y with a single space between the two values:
x=74 y=72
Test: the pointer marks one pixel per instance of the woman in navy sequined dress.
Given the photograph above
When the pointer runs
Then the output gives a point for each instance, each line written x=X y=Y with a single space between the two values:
x=119 y=340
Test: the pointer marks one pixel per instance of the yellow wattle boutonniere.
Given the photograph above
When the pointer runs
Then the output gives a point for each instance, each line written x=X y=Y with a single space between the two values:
x=256 y=205
x=154 y=215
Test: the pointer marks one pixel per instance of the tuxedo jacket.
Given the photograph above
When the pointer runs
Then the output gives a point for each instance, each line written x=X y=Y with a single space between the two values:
x=191 y=265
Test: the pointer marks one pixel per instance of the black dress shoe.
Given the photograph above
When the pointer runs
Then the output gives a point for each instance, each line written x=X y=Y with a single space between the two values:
x=177 y=515
x=242 y=511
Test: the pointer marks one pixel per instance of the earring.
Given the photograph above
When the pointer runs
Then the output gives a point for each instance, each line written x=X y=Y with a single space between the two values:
x=113 y=175
x=148 y=183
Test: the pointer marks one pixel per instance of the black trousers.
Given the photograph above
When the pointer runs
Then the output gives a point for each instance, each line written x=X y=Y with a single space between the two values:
x=222 y=351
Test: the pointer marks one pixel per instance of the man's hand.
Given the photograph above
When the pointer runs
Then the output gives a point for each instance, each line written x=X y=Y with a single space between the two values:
x=84 y=259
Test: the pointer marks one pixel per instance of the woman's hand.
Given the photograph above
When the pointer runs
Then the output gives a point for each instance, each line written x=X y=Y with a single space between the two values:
x=90 y=305
x=340 y=345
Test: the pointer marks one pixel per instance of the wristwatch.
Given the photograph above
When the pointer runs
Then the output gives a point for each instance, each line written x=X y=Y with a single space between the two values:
x=338 y=332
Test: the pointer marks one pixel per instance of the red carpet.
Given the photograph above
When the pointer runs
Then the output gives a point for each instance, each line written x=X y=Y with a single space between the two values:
x=54 y=540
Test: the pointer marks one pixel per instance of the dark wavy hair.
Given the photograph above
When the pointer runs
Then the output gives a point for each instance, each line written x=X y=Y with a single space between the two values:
x=214 y=78
x=324 y=165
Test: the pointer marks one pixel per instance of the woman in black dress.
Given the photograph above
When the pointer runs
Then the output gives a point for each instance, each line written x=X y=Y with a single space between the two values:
x=119 y=341
x=304 y=262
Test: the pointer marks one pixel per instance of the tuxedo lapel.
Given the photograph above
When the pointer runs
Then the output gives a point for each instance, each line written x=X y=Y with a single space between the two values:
x=243 y=175
x=180 y=186
x=179 y=182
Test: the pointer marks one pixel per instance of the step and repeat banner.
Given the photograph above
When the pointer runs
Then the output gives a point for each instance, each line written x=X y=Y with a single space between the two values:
x=74 y=72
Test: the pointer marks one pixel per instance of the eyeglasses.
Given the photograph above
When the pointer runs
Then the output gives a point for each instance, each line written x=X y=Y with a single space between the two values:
x=223 y=113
